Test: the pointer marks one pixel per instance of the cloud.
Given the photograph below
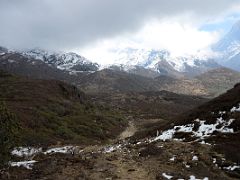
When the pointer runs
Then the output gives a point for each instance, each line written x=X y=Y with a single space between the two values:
x=178 y=38
x=175 y=37
x=69 y=24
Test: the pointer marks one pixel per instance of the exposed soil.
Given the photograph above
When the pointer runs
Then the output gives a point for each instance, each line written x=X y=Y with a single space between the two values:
x=128 y=159
x=141 y=158
x=131 y=161
x=129 y=131
x=51 y=111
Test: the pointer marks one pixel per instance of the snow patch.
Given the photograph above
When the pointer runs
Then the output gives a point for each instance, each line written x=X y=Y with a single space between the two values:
x=167 y=176
x=232 y=168
x=11 y=61
x=203 y=142
x=25 y=151
x=25 y=164
x=30 y=151
x=173 y=158
x=110 y=149
x=64 y=150
x=222 y=112
x=214 y=160
x=166 y=135
x=235 y=109
x=192 y=177
x=204 y=130
x=195 y=158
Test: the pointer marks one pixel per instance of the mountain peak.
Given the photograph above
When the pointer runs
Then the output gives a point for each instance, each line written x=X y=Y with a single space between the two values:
x=236 y=26
x=71 y=62
x=162 y=62
x=228 y=48
x=231 y=39
x=3 y=50
x=234 y=33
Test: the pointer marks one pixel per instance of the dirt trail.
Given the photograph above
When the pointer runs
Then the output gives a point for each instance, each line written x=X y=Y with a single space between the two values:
x=129 y=131
x=135 y=125
x=143 y=160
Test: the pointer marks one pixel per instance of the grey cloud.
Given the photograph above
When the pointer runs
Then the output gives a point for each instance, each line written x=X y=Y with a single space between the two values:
x=66 y=24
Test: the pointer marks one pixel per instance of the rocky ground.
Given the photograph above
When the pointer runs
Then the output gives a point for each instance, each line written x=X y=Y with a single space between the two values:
x=127 y=159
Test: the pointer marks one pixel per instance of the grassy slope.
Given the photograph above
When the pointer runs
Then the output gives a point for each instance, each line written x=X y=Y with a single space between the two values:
x=227 y=144
x=218 y=81
x=52 y=111
x=150 y=105
x=114 y=81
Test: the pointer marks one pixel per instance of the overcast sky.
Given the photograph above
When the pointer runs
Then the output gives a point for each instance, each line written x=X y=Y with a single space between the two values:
x=96 y=27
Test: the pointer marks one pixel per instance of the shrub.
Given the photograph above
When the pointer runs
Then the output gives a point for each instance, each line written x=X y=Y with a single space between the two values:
x=8 y=133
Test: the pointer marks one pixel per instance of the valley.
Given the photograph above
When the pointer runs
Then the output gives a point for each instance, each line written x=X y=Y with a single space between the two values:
x=150 y=114
x=145 y=158
x=130 y=161
x=138 y=147
x=111 y=124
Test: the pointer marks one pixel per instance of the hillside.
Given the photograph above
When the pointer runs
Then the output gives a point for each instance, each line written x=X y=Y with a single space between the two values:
x=114 y=81
x=17 y=64
x=149 y=104
x=181 y=86
x=202 y=144
x=218 y=81
x=217 y=123
x=209 y=84
x=51 y=111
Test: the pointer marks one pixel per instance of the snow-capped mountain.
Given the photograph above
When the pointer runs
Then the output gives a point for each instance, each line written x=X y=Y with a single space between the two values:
x=140 y=57
x=70 y=62
x=162 y=62
x=228 y=48
x=225 y=53
x=231 y=39
x=3 y=50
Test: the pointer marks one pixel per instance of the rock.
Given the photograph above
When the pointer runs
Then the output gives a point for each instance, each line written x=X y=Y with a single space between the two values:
x=130 y=170
x=150 y=150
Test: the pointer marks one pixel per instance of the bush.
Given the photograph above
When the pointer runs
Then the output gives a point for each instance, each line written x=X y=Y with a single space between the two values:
x=8 y=133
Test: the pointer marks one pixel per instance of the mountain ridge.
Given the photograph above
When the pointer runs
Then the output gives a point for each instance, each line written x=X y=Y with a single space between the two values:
x=228 y=48
x=70 y=61
x=163 y=63
x=51 y=111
